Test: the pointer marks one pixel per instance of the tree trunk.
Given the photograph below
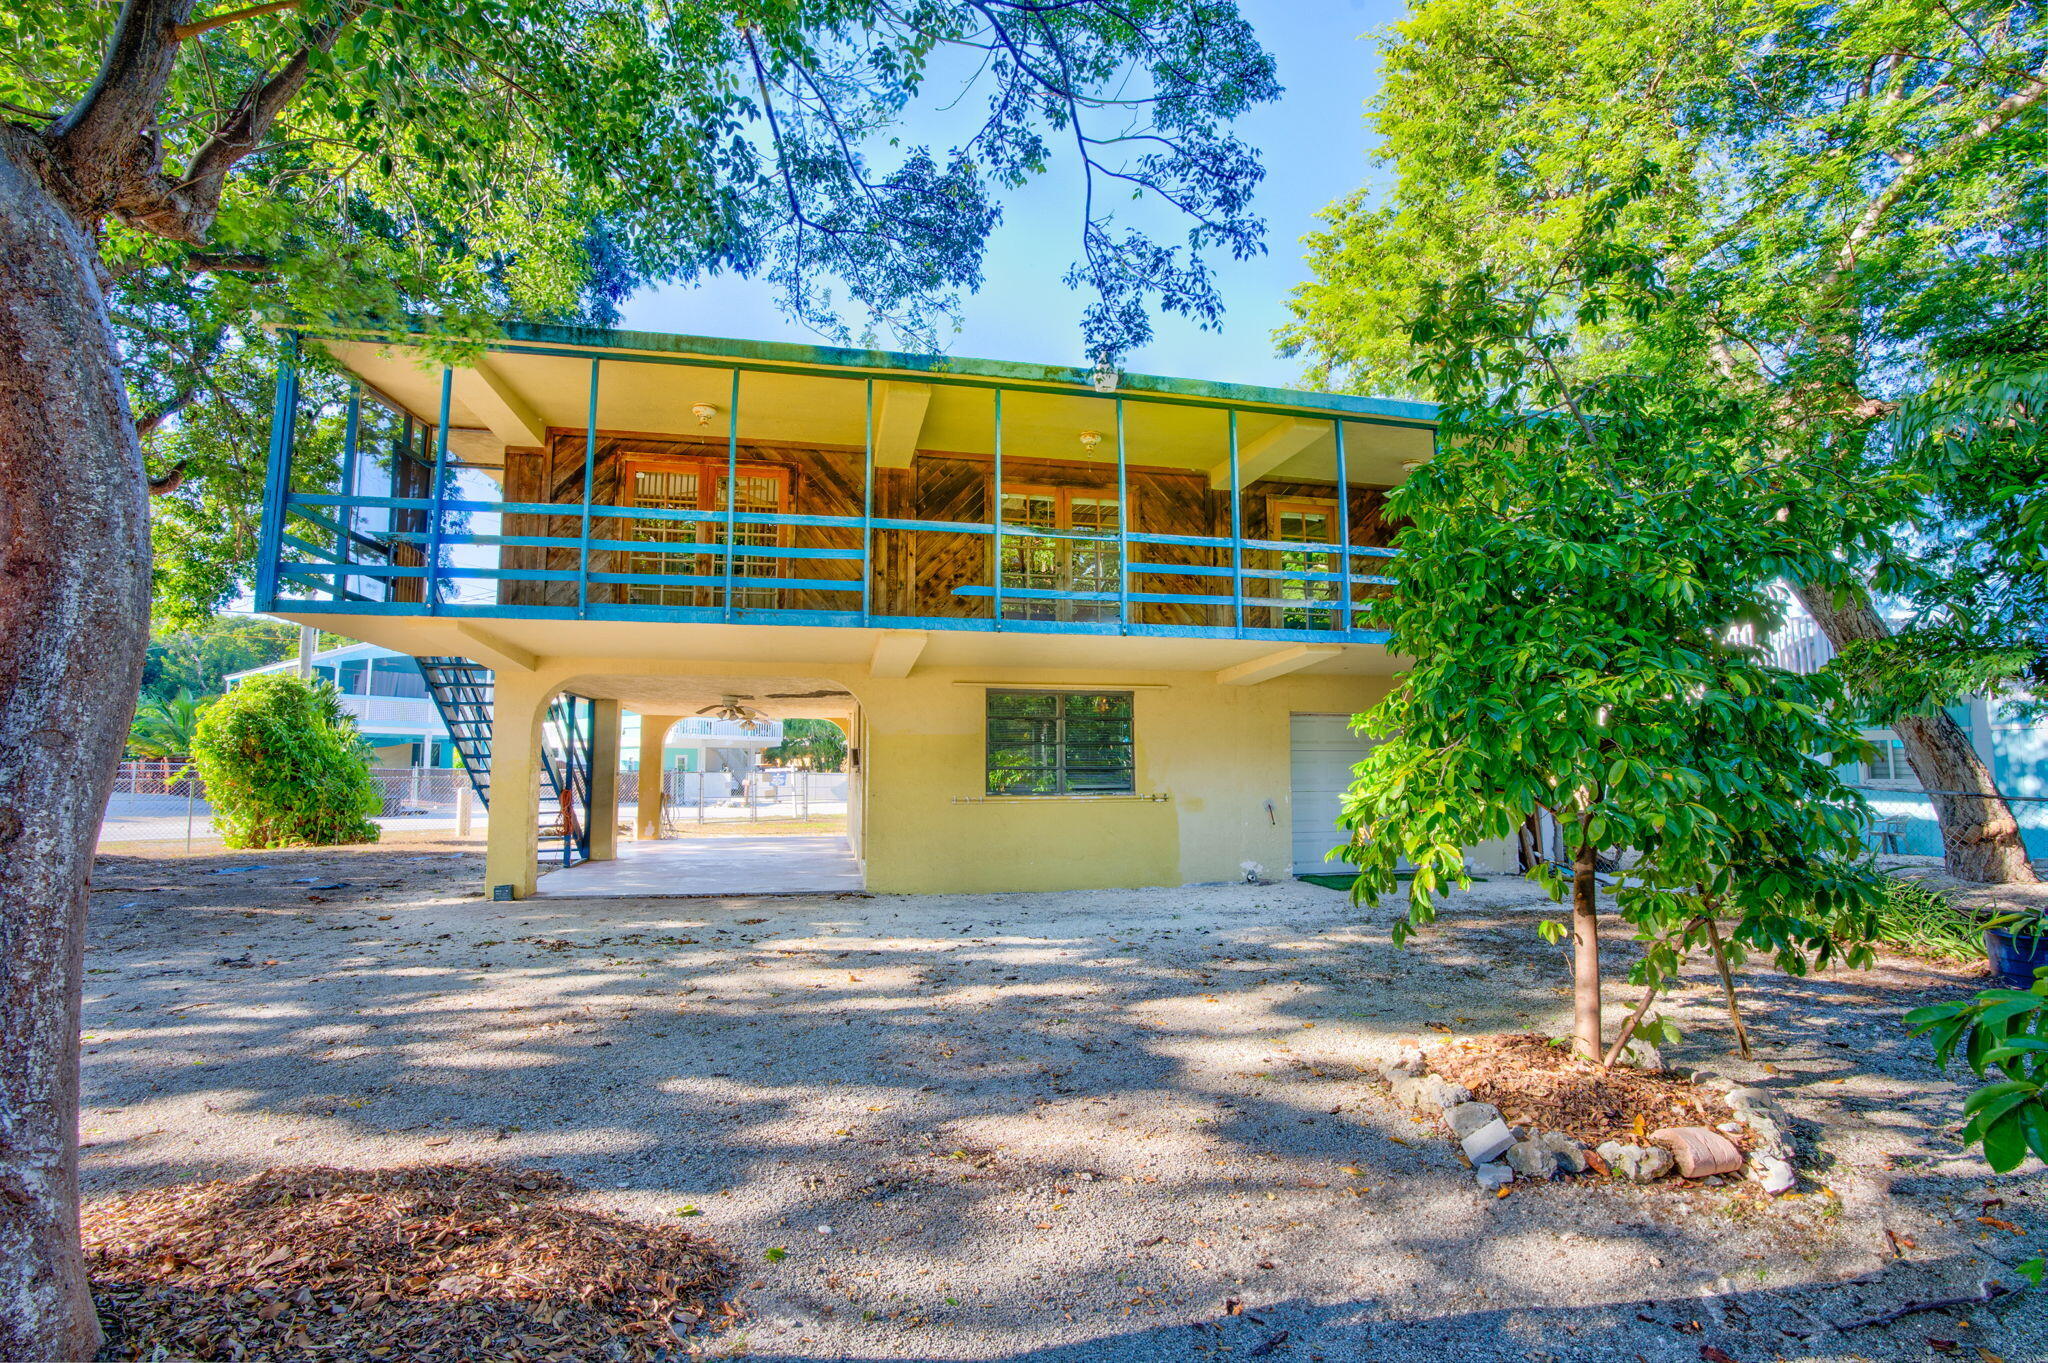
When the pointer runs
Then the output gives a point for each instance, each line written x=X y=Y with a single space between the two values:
x=74 y=607
x=1980 y=838
x=1585 y=952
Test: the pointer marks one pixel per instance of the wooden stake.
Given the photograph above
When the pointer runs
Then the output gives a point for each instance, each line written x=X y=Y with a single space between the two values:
x=1728 y=986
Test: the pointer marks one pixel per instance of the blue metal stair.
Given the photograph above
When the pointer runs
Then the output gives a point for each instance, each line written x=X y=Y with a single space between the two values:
x=462 y=692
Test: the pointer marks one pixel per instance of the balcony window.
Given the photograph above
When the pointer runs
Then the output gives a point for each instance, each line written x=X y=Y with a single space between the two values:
x=1298 y=521
x=1059 y=743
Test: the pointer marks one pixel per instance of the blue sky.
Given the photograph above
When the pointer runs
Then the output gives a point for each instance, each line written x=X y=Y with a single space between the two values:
x=1313 y=141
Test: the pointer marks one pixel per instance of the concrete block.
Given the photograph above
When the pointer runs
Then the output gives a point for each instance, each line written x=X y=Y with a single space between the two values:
x=1488 y=1143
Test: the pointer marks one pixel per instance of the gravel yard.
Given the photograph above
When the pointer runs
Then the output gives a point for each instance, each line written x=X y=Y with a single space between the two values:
x=1110 y=1125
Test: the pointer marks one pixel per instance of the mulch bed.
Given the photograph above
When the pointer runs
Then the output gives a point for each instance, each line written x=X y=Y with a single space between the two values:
x=1546 y=1087
x=430 y=1262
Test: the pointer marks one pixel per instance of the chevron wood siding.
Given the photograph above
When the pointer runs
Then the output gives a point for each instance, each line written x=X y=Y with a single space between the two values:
x=915 y=572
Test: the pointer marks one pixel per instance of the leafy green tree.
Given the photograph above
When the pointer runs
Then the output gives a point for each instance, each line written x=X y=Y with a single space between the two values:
x=166 y=727
x=285 y=767
x=198 y=657
x=1575 y=564
x=1974 y=584
x=455 y=163
x=1825 y=187
x=817 y=744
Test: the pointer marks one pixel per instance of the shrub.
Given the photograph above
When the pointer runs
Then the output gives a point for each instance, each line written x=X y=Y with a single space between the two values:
x=1921 y=922
x=284 y=766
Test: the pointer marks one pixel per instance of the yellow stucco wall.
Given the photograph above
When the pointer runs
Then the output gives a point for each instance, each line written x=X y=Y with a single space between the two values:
x=1213 y=761
x=1215 y=757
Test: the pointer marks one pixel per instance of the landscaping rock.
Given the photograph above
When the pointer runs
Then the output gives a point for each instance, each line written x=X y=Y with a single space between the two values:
x=1488 y=1143
x=1467 y=1118
x=1636 y=1163
x=1699 y=1151
x=1571 y=1156
x=1767 y=1121
x=1493 y=1177
x=1427 y=1093
x=1641 y=1055
x=1532 y=1159
x=1406 y=1063
x=1772 y=1173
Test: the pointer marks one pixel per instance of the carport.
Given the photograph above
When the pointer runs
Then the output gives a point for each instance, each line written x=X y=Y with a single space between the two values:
x=728 y=864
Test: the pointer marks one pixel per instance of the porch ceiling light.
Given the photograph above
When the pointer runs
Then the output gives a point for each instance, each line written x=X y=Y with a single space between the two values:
x=703 y=411
x=1090 y=439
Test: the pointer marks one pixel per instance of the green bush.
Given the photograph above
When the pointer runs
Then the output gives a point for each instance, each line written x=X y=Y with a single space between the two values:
x=1921 y=922
x=284 y=766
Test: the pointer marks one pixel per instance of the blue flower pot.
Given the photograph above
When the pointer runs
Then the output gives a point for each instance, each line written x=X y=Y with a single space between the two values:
x=2015 y=959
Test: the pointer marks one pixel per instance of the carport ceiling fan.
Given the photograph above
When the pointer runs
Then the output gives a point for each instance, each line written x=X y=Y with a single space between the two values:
x=732 y=707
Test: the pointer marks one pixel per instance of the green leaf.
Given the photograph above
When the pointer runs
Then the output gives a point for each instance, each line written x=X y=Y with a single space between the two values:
x=775 y=1255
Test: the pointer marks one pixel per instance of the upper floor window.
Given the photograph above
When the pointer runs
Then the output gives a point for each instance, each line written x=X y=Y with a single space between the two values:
x=1887 y=763
x=1060 y=743
x=688 y=483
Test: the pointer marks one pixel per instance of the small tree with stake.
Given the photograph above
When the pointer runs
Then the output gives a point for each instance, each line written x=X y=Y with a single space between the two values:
x=1585 y=570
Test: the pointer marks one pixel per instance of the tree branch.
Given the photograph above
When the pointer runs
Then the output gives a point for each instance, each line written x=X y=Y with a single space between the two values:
x=207 y=25
x=107 y=141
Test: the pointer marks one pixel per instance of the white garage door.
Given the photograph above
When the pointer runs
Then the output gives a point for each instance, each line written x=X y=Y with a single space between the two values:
x=1325 y=751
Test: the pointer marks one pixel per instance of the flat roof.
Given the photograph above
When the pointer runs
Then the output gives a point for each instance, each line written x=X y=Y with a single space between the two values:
x=546 y=337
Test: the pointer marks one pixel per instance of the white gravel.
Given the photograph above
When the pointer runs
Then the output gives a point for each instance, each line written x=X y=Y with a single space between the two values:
x=1034 y=1126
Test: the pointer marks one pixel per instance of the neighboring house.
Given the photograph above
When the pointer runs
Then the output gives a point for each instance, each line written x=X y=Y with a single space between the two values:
x=386 y=694
x=699 y=744
x=2015 y=748
x=1083 y=629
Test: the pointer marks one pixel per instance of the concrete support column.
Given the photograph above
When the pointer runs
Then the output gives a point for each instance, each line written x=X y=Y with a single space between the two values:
x=519 y=702
x=653 y=735
x=604 y=780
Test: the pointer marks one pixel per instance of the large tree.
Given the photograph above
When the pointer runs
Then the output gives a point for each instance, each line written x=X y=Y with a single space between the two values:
x=1574 y=564
x=435 y=159
x=1825 y=186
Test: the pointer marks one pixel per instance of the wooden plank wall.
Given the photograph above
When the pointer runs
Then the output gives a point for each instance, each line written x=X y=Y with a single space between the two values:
x=915 y=571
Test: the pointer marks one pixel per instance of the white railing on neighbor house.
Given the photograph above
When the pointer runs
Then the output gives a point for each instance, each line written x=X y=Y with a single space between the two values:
x=374 y=713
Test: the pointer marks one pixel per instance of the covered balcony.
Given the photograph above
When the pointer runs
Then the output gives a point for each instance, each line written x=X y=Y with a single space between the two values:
x=574 y=475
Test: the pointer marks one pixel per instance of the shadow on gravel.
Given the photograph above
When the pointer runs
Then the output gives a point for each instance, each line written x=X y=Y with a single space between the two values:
x=945 y=1073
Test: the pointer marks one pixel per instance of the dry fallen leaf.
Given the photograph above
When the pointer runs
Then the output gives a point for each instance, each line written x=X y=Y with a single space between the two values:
x=1997 y=1224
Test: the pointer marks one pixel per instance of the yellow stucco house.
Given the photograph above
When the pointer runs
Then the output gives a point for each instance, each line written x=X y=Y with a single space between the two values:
x=1084 y=629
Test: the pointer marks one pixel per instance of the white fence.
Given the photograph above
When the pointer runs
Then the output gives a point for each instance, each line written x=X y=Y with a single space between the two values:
x=161 y=807
x=721 y=797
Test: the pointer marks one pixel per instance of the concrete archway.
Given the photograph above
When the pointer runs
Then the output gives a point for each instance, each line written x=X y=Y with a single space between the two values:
x=729 y=851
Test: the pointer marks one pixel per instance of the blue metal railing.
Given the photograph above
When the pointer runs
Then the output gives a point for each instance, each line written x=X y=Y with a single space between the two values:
x=326 y=561
x=400 y=535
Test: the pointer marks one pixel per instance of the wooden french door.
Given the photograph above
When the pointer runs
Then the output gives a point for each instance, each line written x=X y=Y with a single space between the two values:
x=1055 y=562
x=686 y=483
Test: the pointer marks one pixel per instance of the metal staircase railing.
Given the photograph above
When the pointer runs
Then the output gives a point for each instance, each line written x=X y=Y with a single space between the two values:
x=567 y=747
x=463 y=691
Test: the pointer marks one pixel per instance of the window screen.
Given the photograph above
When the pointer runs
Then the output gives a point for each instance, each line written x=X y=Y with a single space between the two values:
x=1059 y=743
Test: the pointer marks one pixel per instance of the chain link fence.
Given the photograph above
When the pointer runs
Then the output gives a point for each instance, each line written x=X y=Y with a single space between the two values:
x=710 y=801
x=160 y=807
